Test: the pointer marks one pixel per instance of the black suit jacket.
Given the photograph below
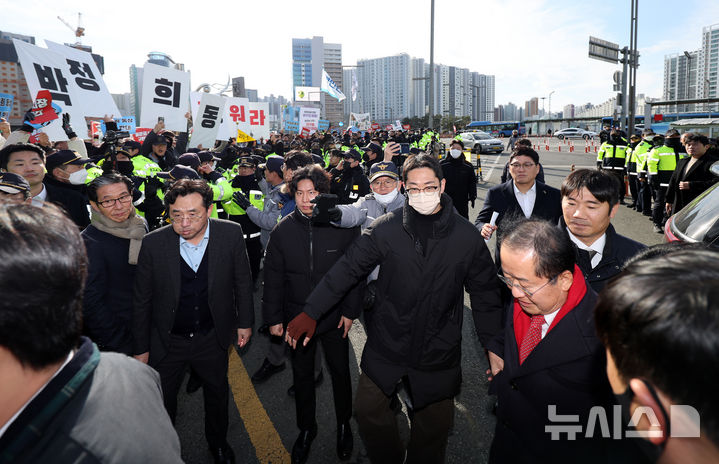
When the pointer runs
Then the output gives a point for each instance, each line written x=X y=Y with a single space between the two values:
x=501 y=198
x=74 y=204
x=157 y=287
x=699 y=177
x=567 y=369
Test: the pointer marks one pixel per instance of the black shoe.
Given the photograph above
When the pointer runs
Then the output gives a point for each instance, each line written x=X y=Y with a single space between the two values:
x=318 y=380
x=266 y=371
x=658 y=229
x=631 y=205
x=344 y=441
x=193 y=383
x=223 y=455
x=301 y=448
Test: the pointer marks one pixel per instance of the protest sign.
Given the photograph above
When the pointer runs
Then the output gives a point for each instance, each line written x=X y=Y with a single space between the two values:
x=165 y=93
x=235 y=117
x=258 y=116
x=207 y=123
x=309 y=118
x=6 y=101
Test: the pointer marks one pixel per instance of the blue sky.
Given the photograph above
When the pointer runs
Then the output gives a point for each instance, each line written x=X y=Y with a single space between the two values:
x=531 y=46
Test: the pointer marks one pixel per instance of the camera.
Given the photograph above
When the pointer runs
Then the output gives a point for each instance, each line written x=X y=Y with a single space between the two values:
x=113 y=136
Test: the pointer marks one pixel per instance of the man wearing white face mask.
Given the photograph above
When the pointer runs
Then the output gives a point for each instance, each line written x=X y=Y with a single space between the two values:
x=460 y=178
x=64 y=184
x=415 y=336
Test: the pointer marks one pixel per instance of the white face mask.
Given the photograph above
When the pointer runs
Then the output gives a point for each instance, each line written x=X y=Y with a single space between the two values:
x=78 y=177
x=455 y=153
x=424 y=202
x=387 y=198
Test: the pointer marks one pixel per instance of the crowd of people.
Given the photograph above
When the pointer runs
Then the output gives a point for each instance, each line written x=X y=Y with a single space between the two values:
x=154 y=251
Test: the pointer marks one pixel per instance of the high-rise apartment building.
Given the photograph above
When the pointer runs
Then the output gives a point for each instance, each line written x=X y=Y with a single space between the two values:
x=384 y=87
x=309 y=57
x=531 y=107
x=680 y=78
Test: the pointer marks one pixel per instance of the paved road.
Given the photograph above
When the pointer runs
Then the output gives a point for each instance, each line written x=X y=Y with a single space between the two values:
x=262 y=417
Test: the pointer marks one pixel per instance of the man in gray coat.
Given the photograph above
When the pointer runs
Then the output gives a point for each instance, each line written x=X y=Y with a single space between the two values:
x=61 y=399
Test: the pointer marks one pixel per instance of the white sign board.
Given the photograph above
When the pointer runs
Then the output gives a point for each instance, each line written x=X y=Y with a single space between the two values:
x=236 y=117
x=309 y=118
x=308 y=94
x=165 y=93
x=207 y=123
x=47 y=70
x=96 y=100
x=258 y=117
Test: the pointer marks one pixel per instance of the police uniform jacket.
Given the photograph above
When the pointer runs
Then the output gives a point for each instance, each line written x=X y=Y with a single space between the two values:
x=366 y=210
x=416 y=327
x=299 y=253
x=349 y=184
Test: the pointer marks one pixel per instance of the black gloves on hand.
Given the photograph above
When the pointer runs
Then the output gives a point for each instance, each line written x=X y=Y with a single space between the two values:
x=325 y=210
x=67 y=127
x=241 y=200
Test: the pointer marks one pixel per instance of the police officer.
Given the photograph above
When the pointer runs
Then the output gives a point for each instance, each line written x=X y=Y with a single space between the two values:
x=644 y=198
x=612 y=156
x=349 y=182
x=631 y=170
x=246 y=182
x=661 y=163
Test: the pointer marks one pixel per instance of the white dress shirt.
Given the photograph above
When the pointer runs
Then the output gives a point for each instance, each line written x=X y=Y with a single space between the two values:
x=548 y=319
x=526 y=200
x=40 y=198
x=597 y=246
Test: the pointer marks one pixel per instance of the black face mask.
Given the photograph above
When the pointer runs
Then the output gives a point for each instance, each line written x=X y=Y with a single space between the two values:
x=346 y=165
x=365 y=157
x=649 y=449
x=125 y=168
x=673 y=142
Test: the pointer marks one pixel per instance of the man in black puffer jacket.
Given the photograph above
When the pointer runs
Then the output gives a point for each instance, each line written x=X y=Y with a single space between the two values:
x=299 y=253
x=428 y=255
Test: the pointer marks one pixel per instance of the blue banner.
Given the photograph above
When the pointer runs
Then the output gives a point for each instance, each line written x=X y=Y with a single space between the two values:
x=292 y=126
x=6 y=101
x=323 y=124
x=123 y=124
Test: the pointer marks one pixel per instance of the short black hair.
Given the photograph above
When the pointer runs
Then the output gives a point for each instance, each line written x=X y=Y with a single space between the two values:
x=551 y=245
x=107 y=178
x=524 y=151
x=523 y=143
x=421 y=160
x=296 y=159
x=183 y=187
x=694 y=137
x=43 y=267
x=662 y=314
x=604 y=186
x=318 y=176
x=16 y=147
x=457 y=141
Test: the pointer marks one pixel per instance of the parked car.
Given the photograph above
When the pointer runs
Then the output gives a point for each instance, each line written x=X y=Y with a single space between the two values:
x=482 y=142
x=699 y=220
x=574 y=133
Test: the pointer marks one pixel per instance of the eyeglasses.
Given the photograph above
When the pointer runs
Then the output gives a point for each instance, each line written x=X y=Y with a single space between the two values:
x=124 y=199
x=192 y=217
x=387 y=183
x=416 y=191
x=511 y=283
x=523 y=166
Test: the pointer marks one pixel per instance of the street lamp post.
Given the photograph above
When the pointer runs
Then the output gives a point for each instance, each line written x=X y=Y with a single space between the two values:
x=686 y=85
x=431 y=66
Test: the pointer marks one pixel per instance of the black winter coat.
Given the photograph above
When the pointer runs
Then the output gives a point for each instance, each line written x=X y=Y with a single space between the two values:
x=107 y=304
x=617 y=250
x=349 y=184
x=461 y=183
x=416 y=326
x=74 y=204
x=299 y=253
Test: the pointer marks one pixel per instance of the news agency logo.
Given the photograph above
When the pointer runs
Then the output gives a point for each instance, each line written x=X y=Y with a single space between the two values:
x=684 y=423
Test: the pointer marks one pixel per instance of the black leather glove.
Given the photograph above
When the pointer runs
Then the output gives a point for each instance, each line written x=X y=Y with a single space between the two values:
x=67 y=127
x=241 y=200
x=26 y=119
x=324 y=212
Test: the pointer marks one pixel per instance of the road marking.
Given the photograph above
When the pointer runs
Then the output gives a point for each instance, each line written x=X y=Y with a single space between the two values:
x=262 y=432
x=496 y=161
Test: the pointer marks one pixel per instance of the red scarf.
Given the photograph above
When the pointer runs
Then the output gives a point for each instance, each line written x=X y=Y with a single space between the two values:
x=575 y=295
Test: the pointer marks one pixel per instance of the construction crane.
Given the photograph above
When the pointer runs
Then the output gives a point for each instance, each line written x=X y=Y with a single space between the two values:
x=79 y=30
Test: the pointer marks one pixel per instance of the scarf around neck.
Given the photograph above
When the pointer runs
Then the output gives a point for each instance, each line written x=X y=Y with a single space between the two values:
x=133 y=228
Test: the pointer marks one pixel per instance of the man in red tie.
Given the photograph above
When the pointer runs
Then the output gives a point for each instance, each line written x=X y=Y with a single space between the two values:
x=554 y=364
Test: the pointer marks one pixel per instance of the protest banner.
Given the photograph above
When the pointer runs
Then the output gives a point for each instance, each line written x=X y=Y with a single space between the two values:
x=47 y=70
x=6 y=101
x=141 y=133
x=259 y=118
x=309 y=118
x=235 y=117
x=207 y=123
x=165 y=93
x=95 y=98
